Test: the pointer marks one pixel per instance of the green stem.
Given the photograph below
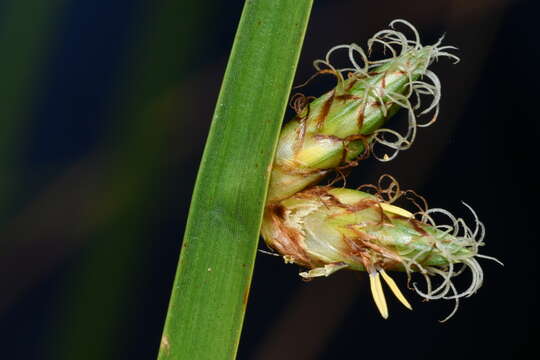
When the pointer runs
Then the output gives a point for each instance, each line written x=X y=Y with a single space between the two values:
x=210 y=291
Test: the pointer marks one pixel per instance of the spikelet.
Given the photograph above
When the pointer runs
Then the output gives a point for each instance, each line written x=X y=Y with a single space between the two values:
x=344 y=125
x=326 y=229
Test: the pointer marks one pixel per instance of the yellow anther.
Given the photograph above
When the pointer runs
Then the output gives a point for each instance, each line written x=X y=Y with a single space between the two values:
x=393 y=286
x=396 y=210
x=378 y=295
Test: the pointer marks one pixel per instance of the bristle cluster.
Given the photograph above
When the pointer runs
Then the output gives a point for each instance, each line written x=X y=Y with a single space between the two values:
x=405 y=54
x=463 y=237
x=325 y=229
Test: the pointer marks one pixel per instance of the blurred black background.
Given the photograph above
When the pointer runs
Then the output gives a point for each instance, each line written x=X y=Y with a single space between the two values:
x=105 y=107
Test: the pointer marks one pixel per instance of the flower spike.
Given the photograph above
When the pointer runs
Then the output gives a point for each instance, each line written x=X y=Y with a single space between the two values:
x=345 y=125
x=328 y=229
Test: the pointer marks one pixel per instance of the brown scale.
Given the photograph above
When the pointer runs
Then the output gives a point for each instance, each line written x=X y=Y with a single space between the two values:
x=287 y=240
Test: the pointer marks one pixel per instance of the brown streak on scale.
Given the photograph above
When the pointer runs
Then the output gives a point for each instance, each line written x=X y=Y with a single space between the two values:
x=361 y=117
x=362 y=205
x=346 y=97
x=351 y=84
x=325 y=110
x=416 y=224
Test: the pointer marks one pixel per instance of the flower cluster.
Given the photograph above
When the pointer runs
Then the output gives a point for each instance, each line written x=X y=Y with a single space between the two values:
x=326 y=229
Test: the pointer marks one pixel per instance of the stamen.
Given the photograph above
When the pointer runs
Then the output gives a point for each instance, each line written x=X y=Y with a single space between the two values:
x=396 y=210
x=395 y=289
x=378 y=295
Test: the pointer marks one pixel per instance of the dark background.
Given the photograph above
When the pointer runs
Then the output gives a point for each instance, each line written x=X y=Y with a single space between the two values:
x=105 y=107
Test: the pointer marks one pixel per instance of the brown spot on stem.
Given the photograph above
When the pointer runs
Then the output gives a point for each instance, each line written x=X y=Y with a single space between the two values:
x=165 y=345
x=246 y=296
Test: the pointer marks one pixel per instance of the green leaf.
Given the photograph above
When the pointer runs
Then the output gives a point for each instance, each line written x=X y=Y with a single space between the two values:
x=211 y=288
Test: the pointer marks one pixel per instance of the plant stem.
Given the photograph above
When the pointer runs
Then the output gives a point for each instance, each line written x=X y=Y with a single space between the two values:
x=210 y=291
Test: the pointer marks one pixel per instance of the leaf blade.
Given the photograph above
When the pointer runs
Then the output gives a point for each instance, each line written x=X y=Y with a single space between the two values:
x=212 y=284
